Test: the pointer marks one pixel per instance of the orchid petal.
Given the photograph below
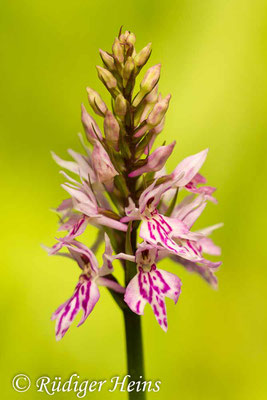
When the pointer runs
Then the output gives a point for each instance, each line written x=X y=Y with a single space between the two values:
x=208 y=231
x=107 y=267
x=111 y=284
x=209 y=247
x=206 y=273
x=157 y=231
x=188 y=168
x=85 y=297
x=151 y=287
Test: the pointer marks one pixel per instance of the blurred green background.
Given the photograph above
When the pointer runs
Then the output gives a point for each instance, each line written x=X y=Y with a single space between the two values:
x=214 y=61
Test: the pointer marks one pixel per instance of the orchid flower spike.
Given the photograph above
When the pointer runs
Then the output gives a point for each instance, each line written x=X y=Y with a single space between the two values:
x=119 y=185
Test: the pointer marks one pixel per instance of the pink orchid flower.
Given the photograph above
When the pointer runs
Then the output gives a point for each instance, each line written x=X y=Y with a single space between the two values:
x=84 y=202
x=188 y=212
x=150 y=285
x=86 y=293
x=159 y=229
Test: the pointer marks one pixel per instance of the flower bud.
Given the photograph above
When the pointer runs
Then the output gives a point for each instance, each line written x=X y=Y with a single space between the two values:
x=102 y=164
x=151 y=78
x=158 y=112
x=120 y=106
x=155 y=161
x=131 y=39
x=117 y=49
x=148 y=83
x=106 y=77
x=96 y=102
x=107 y=59
x=90 y=126
x=111 y=129
x=142 y=57
x=127 y=71
x=152 y=97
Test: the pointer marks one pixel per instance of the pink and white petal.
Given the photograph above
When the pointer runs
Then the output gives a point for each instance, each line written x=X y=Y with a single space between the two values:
x=159 y=309
x=211 y=264
x=76 y=226
x=84 y=166
x=77 y=194
x=70 y=223
x=69 y=165
x=65 y=205
x=55 y=249
x=191 y=217
x=66 y=313
x=208 y=231
x=206 y=191
x=173 y=282
x=110 y=284
x=209 y=247
x=174 y=226
x=107 y=267
x=206 y=273
x=111 y=223
x=153 y=194
x=89 y=296
x=188 y=168
x=133 y=297
x=199 y=179
x=87 y=255
x=123 y=256
x=153 y=232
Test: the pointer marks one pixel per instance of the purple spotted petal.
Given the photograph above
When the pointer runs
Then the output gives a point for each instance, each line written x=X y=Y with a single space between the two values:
x=85 y=297
x=160 y=230
x=151 y=287
x=76 y=227
x=83 y=255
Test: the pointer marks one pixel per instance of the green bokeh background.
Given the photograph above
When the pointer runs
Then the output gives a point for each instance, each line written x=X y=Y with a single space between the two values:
x=213 y=54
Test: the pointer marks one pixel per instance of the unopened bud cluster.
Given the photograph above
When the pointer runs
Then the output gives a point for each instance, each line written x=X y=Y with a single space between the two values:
x=133 y=122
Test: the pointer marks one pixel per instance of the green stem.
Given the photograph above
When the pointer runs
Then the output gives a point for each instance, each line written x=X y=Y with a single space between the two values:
x=134 y=345
x=133 y=332
x=132 y=321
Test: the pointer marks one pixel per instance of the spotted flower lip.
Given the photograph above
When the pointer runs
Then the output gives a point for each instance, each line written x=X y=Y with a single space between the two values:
x=86 y=293
x=151 y=285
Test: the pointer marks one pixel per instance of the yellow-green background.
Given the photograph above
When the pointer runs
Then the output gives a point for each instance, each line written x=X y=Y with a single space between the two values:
x=213 y=54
